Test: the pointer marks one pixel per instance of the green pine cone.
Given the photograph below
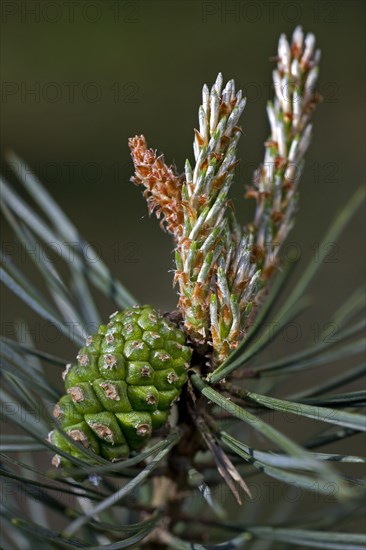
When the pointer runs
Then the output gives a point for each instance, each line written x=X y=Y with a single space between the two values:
x=121 y=389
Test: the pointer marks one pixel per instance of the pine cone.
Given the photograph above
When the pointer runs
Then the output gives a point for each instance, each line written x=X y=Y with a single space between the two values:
x=127 y=377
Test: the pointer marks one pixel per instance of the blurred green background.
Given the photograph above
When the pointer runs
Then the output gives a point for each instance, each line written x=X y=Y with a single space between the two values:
x=79 y=78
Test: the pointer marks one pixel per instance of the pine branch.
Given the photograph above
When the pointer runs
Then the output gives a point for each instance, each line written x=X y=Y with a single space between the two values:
x=276 y=181
x=220 y=267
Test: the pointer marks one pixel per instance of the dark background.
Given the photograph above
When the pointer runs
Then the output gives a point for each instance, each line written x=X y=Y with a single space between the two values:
x=102 y=71
x=79 y=78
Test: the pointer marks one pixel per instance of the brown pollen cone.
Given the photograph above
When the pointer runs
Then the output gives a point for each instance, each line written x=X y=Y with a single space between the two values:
x=163 y=186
